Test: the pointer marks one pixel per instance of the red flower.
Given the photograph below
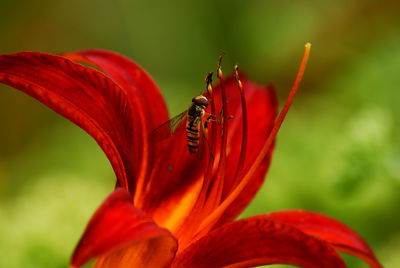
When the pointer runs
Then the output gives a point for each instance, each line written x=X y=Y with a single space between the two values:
x=172 y=208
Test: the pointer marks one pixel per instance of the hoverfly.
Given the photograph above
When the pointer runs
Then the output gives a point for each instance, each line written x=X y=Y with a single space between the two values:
x=194 y=124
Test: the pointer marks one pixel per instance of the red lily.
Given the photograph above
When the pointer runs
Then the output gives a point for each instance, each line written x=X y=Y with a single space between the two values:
x=170 y=208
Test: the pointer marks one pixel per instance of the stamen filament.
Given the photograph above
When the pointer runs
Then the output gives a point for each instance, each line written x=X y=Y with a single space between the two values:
x=218 y=181
x=213 y=131
x=243 y=148
x=215 y=215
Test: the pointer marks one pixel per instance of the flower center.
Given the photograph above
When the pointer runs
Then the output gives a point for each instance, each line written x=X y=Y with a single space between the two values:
x=212 y=190
x=211 y=204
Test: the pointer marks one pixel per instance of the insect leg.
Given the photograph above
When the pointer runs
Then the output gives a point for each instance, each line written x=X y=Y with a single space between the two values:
x=208 y=119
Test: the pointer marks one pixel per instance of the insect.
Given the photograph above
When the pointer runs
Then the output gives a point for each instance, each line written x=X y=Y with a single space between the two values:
x=194 y=124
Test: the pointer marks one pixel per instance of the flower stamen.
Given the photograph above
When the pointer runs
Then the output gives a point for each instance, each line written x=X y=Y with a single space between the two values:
x=218 y=182
x=215 y=215
x=211 y=158
x=243 y=148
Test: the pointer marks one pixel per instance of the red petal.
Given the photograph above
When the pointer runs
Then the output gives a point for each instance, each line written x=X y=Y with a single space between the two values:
x=154 y=189
x=129 y=75
x=120 y=231
x=258 y=241
x=83 y=95
x=147 y=102
x=174 y=182
x=330 y=230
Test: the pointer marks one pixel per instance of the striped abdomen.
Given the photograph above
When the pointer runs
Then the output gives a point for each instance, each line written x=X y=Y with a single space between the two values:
x=193 y=133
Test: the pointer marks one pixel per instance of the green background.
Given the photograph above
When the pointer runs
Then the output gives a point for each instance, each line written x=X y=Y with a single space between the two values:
x=337 y=153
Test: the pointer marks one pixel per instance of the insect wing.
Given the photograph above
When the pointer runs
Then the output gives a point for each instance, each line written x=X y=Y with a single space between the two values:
x=168 y=128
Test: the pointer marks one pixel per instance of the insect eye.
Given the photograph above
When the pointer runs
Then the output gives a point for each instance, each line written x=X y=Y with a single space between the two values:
x=200 y=100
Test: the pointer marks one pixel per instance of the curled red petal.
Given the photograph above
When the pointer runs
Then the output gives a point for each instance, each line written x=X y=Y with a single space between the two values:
x=83 y=95
x=173 y=159
x=152 y=187
x=148 y=104
x=119 y=229
x=129 y=75
x=258 y=241
x=330 y=230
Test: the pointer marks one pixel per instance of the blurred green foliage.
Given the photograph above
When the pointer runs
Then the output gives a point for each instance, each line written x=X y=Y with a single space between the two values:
x=338 y=150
